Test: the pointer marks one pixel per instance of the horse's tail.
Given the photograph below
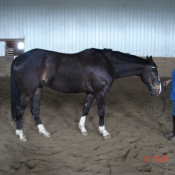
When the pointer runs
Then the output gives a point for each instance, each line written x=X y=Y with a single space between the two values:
x=15 y=94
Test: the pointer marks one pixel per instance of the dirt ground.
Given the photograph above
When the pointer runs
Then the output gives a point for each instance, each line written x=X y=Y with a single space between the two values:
x=137 y=146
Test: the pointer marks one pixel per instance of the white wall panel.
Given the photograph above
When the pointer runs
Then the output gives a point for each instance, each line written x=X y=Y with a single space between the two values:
x=2 y=48
x=132 y=26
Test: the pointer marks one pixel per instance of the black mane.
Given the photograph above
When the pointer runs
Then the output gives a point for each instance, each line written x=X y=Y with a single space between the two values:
x=131 y=58
x=127 y=57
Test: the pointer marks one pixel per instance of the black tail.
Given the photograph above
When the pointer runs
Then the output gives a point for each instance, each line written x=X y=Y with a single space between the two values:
x=15 y=94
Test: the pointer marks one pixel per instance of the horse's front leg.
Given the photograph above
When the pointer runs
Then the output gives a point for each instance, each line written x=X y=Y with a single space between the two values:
x=101 y=112
x=86 y=108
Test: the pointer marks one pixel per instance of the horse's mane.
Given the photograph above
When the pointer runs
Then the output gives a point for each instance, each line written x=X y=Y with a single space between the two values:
x=127 y=57
x=124 y=56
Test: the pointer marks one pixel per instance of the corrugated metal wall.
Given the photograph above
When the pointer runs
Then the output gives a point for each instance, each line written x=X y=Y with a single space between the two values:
x=133 y=26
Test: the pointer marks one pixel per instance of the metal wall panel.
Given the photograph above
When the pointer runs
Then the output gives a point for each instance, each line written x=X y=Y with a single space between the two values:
x=131 y=26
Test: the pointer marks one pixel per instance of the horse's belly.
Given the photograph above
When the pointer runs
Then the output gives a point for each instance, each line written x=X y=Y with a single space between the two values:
x=66 y=85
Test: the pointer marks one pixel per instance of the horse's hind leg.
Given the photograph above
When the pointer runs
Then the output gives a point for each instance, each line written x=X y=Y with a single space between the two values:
x=35 y=110
x=24 y=100
x=101 y=112
x=86 y=108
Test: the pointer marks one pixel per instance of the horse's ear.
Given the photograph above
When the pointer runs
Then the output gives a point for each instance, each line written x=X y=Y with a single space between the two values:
x=150 y=59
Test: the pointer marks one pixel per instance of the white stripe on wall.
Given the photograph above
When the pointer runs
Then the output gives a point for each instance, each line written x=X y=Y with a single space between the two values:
x=2 y=48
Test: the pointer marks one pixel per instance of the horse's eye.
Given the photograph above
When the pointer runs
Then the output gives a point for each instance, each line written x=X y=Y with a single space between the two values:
x=154 y=72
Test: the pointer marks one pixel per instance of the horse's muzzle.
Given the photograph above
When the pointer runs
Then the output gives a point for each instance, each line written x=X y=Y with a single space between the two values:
x=156 y=89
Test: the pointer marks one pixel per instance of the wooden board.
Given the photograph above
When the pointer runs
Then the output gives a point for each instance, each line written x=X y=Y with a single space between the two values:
x=165 y=66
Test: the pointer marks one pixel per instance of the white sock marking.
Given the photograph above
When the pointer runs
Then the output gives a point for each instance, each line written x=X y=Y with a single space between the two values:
x=43 y=131
x=82 y=124
x=103 y=131
x=21 y=135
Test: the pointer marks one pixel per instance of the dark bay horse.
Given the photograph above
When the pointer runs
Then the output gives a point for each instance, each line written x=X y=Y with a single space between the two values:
x=92 y=71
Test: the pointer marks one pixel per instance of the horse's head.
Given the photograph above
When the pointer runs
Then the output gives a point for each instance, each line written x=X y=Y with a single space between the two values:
x=151 y=78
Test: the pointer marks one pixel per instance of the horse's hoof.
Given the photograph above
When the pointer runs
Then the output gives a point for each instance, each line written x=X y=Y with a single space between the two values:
x=83 y=130
x=173 y=139
x=169 y=135
x=45 y=134
x=23 y=139
x=84 y=133
x=107 y=136
x=48 y=135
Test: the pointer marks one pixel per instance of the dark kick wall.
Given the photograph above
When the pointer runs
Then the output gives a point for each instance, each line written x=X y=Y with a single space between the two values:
x=5 y=65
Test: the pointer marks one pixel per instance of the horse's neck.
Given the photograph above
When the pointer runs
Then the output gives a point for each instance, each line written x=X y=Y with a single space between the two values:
x=125 y=69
